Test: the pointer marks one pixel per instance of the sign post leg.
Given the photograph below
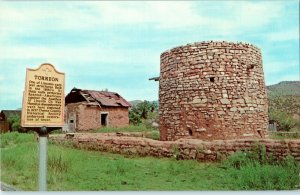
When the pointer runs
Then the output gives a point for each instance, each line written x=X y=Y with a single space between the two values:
x=43 y=160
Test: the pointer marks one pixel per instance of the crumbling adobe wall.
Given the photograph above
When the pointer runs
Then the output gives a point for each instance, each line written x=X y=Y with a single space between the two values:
x=117 y=116
x=180 y=149
x=211 y=91
x=88 y=117
x=85 y=117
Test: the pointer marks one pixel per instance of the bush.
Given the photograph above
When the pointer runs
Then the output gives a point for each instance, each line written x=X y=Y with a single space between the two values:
x=285 y=121
x=154 y=135
x=257 y=154
x=134 y=118
x=142 y=111
x=15 y=123
x=265 y=177
x=255 y=170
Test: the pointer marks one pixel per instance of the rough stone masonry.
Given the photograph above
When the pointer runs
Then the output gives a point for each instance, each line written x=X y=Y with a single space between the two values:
x=182 y=148
x=212 y=91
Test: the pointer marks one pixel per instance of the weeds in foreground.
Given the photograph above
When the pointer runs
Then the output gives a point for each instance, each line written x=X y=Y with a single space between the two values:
x=80 y=170
x=154 y=135
x=256 y=170
x=285 y=135
x=148 y=132
x=130 y=128
x=58 y=164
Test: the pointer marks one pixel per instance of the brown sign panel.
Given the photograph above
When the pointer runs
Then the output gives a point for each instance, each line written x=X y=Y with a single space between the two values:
x=43 y=98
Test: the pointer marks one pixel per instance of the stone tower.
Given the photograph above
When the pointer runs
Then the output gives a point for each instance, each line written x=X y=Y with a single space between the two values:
x=212 y=90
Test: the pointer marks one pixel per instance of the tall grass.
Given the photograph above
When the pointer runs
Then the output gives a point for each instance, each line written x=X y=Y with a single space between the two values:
x=13 y=138
x=73 y=169
x=148 y=132
x=285 y=135
x=16 y=156
x=255 y=170
x=129 y=128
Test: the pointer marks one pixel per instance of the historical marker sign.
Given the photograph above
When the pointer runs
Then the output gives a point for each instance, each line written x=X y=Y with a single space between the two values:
x=43 y=99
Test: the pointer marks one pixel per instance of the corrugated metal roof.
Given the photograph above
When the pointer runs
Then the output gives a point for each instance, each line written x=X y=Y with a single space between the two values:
x=93 y=97
x=106 y=98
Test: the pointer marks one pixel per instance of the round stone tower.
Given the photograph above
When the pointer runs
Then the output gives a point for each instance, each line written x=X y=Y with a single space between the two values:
x=212 y=90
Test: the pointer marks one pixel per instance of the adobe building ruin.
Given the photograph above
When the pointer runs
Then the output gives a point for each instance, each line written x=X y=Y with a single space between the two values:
x=90 y=109
x=212 y=90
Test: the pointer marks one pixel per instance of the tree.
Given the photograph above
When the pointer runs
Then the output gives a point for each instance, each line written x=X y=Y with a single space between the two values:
x=14 y=122
x=141 y=111
x=285 y=120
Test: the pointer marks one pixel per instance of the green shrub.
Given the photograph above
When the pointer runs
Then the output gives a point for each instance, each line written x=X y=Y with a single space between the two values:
x=255 y=170
x=236 y=160
x=134 y=118
x=154 y=135
x=14 y=122
x=142 y=111
x=285 y=121
x=265 y=177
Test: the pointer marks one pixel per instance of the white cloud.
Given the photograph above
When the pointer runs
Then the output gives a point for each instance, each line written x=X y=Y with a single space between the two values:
x=229 y=17
x=236 y=17
x=33 y=18
x=244 y=17
x=18 y=19
x=165 y=23
x=284 y=35
x=256 y=13
x=158 y=14
x=87 y=56
x=175 y=15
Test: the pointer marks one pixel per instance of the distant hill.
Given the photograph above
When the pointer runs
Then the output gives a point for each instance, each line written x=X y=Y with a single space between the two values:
x=284 y=88
x=135 y=102
x=285 y=96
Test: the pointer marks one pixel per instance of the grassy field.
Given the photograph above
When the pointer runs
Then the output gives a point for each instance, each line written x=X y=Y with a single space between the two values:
x=71 y=169
x=129 y=128
x=148 y=132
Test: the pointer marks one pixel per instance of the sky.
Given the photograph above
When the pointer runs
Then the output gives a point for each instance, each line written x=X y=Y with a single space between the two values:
x=117 y=45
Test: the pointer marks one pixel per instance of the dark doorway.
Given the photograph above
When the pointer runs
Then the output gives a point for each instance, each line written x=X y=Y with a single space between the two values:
x=72 y=122
x=104 y=119
x=190 y=132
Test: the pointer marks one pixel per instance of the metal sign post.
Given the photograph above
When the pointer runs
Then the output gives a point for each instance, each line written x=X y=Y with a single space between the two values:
x=43 y=139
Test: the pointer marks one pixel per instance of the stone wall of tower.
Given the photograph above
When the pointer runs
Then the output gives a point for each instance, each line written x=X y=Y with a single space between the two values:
x=212 y=90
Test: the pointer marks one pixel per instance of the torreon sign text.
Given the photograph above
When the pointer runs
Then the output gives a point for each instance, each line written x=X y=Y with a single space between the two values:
x=43 y=101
